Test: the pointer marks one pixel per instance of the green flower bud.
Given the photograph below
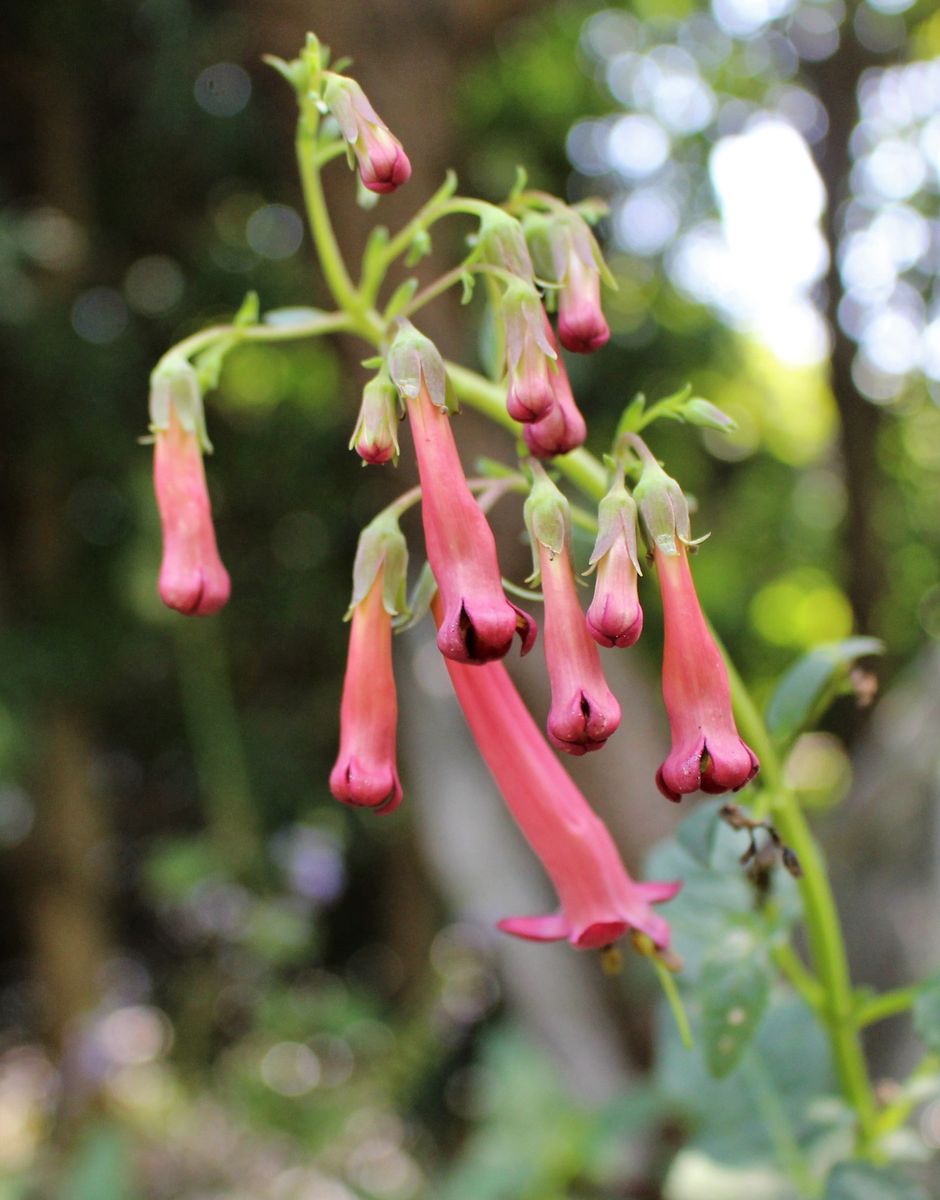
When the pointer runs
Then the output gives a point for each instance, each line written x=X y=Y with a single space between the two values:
x=709 y=416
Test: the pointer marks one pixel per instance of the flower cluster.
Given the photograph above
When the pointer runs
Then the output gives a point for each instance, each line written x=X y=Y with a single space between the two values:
x=539 y=257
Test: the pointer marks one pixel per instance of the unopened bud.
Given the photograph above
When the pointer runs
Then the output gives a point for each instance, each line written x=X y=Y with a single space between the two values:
x=707 y=415
x=383 y=163
x=501 y=243
x=375 y=438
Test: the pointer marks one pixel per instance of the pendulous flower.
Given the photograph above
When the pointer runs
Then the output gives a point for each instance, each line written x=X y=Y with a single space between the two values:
x=479 y=622
x=531 y=358
x=566 y=254
x=563 y=428
x=365 y=774
x=383 y=163
x=192 y=578
x=584 y=712
x=614 y=616
x=375 y=438
x=707 y=751
x=599 y=901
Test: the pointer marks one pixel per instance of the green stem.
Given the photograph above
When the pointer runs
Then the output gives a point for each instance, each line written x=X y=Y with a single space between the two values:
x=362 y=318
x=823 y=928
x=204 y=338
x=580 y=466
x=896 y=1114
x=888 y=1004
x=802 y=980
x=424 y=218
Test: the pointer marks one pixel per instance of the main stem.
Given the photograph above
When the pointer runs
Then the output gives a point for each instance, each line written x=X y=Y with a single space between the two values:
x=836 y=999
x=365 y=320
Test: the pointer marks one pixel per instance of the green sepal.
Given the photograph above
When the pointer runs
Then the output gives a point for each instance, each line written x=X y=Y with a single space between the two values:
x=616 y=518
x=365 y=198
x=519 y=184
x=501 y=242
x=381 y=544
x=208 y=364
x=547 y=518
x=592 y=209
x=296 y=72
x=419 y=602
x=175 y=384
x=400 y=299
x=375 y=363
x=467 y=284
x=411 y=357
x=663 y=508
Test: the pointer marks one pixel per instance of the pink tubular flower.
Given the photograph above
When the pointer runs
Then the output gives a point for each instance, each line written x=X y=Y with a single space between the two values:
x=614 y=616
x=479 y=622
x=581 y=324
x=531 y=358
x=192 y=577
x=563 y=428
x=599 y=900
x=565 y=252
x=383 y=163
x=584 y=712
x=707 y=750
x=365 y=774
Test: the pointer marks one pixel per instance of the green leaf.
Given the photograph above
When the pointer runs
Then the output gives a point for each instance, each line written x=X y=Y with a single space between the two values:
x=927 y=1013
x=810 y=686
x=632 y=417
x=715 y=889
x=860 y=1181
x=733 y=991
x=401 y=298
x=723 y=1117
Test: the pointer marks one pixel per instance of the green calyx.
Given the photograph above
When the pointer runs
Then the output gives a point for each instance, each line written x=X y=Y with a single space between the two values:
x=411 y=358
x=547 y=518
x=174 y=387
x=382 y=546
x=616 y=520
x=664 y=510
x=501 y=243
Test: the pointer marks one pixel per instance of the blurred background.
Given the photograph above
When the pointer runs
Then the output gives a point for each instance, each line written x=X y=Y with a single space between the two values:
x=214 y=981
